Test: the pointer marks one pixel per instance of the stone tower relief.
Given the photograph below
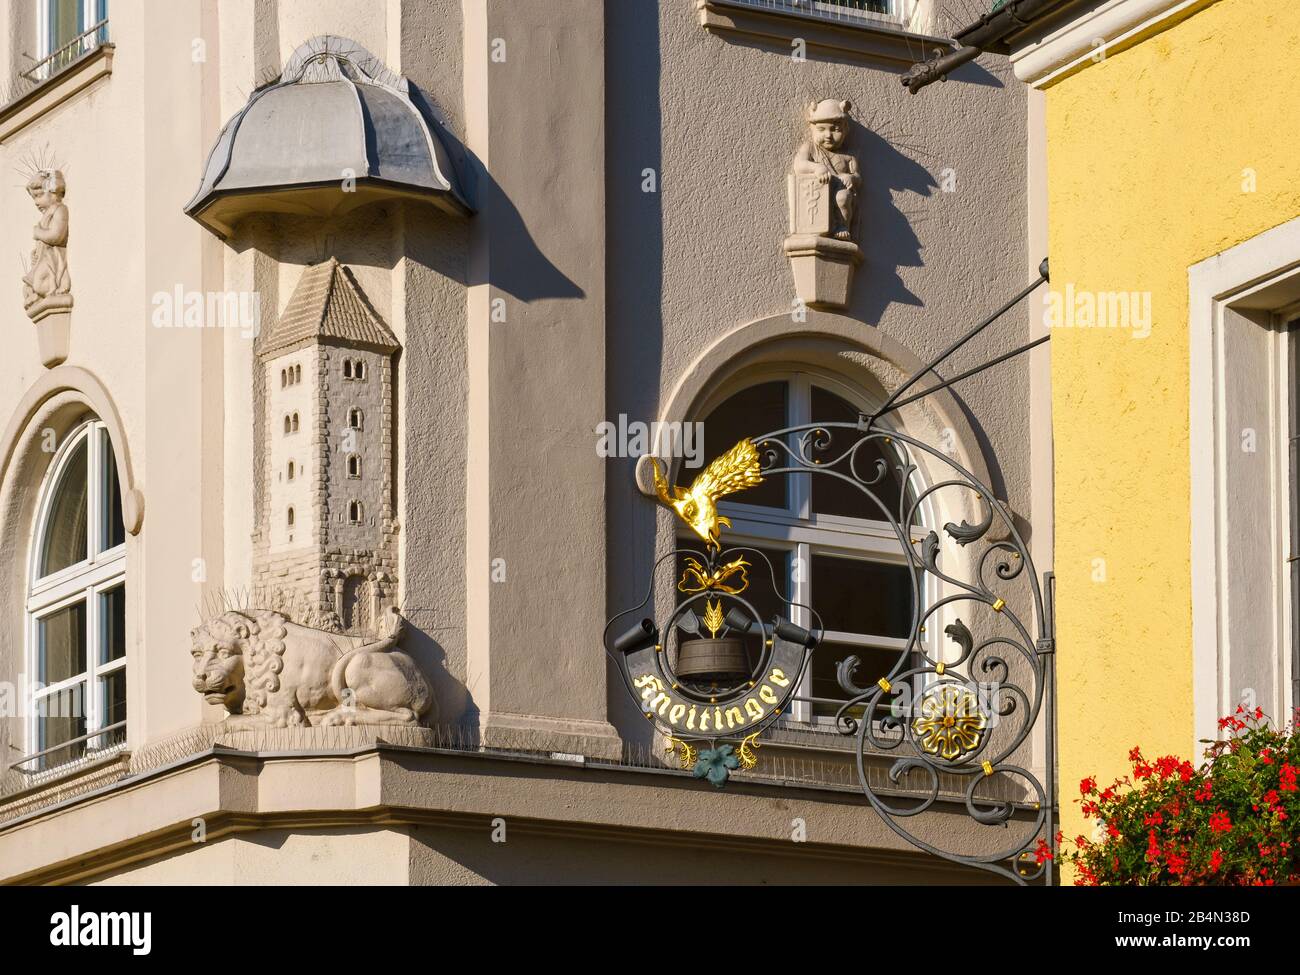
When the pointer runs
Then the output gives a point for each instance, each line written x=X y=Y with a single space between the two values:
x=327 y=534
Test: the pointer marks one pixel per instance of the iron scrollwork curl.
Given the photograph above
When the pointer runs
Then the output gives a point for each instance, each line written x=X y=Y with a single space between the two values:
x=953 y=717
x=969 y=712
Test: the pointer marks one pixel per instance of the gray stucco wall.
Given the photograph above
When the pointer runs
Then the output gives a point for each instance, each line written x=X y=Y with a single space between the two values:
x=719 y=118
x=610 y=293
x=432 y=373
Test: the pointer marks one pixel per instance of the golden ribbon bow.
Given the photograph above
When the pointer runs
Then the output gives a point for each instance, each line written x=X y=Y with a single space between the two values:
x=695 y=578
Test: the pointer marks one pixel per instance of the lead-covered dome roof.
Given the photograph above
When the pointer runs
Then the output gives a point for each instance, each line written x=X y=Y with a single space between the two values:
x=336 y=130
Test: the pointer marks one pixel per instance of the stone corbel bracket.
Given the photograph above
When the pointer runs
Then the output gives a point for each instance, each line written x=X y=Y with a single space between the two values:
x=823 y=269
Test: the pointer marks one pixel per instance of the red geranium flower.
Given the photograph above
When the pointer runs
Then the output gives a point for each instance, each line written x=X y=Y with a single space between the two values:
x=1042 y=851
x=1171 y=821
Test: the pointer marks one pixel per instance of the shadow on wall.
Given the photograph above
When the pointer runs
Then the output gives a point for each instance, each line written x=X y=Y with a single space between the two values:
x=634 y=326
x=970 y=73
x=517 y=266
x=451 y=696
x=884 y=231
x=535 y=854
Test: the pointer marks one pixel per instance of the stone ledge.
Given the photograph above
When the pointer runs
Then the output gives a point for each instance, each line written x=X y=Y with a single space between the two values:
x=48 y=95
x=152 y=814
x=870 y=40
x=550 y=736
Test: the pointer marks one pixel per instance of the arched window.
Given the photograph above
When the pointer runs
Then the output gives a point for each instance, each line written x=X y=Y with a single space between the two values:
x=831 y=547
x=354 y=512
x=297 y=373
x=359 y=369
x=288 y=519
x=288 y=423
x=354 y=465
x=295 y=422
x=284 y=378
x=354 y=418
x=291 y=470
x=347 y=368
x=76 y=605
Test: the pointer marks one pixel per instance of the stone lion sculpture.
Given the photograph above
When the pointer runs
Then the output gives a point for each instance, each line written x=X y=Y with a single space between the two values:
x=269 y=671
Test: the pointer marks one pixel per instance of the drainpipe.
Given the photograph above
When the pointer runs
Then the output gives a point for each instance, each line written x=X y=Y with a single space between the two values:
x=989 y=33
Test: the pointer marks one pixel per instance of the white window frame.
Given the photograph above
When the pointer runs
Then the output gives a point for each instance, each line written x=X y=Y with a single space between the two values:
x=88 y=580
x=913 y=16
x=1260 y=273
x=87 y=17
x=797 y=530
x=892 y=11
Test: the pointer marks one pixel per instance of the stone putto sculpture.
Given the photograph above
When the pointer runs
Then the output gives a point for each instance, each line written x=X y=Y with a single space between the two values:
x=822 y=191
x=268 y=671
x=821 y=162
x=47 y=285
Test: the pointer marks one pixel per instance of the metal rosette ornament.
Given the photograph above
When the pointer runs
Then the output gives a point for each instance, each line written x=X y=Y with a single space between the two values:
x=716 y=674
x=954 y=721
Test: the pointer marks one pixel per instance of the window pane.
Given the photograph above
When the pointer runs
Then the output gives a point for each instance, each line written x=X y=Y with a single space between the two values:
x=61 y=717
x=112 y=700
x=760 y=593
x=855 y=596
x=111 y=516
x=65 y=22
x=65 y=529
x=112 y=625
x=872 y=665
x=61 y=641
x=753 y=411
x=832 y=496
x=869 y=6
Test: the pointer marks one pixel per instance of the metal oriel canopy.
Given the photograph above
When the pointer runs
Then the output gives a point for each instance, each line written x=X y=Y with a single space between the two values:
x=337 y=129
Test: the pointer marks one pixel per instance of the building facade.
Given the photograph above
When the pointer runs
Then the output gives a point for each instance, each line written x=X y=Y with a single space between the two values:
x=321 y=473
x=1173 y=233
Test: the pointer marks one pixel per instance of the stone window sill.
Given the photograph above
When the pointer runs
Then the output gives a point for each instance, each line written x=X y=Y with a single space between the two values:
x=869 y=39
x=49 y=94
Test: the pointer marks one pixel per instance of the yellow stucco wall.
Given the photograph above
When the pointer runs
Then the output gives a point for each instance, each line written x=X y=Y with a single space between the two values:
x=1147 y=154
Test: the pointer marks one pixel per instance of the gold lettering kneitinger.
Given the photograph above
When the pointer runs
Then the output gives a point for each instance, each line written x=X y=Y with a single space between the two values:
x=680 y=713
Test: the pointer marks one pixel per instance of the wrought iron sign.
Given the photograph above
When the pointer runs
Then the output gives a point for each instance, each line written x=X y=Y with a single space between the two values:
x=949 y=726
x=737 y=672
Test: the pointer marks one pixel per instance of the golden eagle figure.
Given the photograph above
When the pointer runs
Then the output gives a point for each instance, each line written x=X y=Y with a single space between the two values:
x=734 y=471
